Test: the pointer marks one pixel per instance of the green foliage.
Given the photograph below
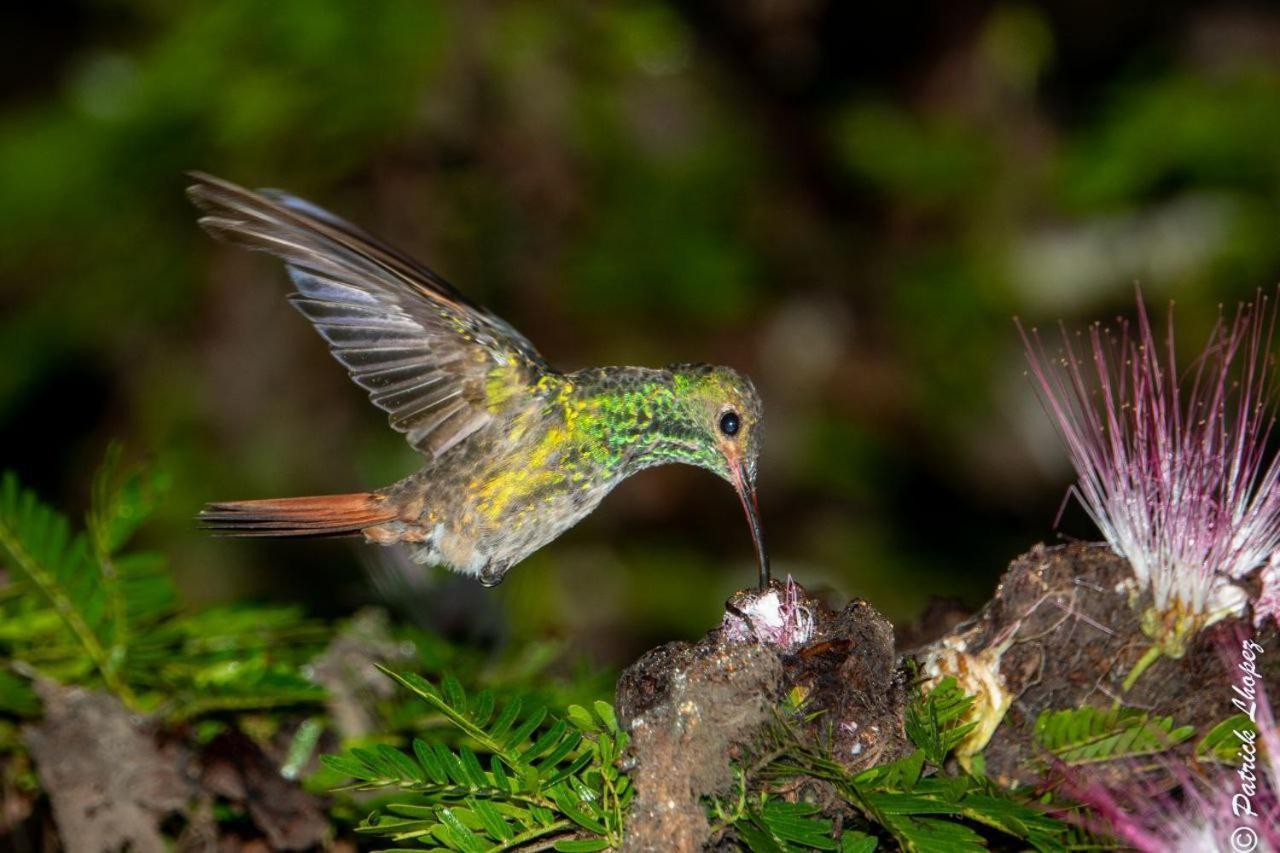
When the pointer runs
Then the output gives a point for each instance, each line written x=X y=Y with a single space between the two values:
x=1087 y=735
x=77 y=607
x=780 y=826
x=926 y=810
x=84 y=608
x=1220 y=744
x=914 y=801
x=936 y=724
x=513 y=772
x=941 y=806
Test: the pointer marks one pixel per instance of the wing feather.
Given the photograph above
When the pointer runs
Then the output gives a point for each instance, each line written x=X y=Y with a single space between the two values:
x=421 y=349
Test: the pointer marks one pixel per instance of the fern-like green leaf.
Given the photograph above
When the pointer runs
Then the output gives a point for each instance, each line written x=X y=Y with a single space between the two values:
x=1087 y=735
x=969 y=799
x=135 y=587
x=581 y=845
x=934 y=722
x=933 y=835
x=796 y=824
x=858 y=842
x=37 y=545
x=900 y=775
x=79 y=610
x=758 y=839
x=1221 y=744
x=915 y=799
x=542 y=779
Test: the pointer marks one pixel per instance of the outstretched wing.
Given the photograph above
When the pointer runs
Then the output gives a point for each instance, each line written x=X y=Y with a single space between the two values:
x=438 y=364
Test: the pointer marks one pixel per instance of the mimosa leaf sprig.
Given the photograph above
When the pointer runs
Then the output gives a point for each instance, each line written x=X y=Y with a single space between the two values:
x=1228 y=798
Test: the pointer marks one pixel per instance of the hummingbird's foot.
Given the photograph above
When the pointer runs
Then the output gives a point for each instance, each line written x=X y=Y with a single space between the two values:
x=491 y=575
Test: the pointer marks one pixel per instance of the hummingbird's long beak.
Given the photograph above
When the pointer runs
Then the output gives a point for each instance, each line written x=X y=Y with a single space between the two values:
x=746 y=488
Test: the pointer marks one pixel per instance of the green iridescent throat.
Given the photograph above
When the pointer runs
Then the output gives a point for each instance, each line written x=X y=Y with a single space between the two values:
x=629 y=419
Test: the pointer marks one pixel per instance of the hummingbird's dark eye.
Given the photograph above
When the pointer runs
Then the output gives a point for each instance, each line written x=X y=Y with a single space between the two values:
x=729 y=423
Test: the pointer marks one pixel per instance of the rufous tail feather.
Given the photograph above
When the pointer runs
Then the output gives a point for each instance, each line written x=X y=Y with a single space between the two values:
x=321 y=515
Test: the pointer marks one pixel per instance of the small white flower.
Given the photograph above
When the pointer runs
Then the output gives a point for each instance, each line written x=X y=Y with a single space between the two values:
x=778 y=619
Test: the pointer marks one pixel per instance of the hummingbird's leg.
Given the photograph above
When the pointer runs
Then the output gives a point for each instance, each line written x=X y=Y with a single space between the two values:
x=493 y=573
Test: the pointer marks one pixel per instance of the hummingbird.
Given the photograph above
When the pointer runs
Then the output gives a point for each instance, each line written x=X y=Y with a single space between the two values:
x=515 y=452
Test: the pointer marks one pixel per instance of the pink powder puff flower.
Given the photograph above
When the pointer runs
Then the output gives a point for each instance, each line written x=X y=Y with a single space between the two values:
x=1173 y=469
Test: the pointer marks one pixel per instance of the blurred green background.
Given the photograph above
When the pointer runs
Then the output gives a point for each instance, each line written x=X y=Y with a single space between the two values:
x=848 y=202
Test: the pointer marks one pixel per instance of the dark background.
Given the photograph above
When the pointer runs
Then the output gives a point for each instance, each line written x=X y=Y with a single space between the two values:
x=848 y=201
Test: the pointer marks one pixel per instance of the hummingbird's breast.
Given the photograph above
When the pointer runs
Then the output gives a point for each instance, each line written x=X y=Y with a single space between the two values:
x=486 y=505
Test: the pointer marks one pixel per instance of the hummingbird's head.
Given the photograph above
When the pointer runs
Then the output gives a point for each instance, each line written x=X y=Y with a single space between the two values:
x=727 y=416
